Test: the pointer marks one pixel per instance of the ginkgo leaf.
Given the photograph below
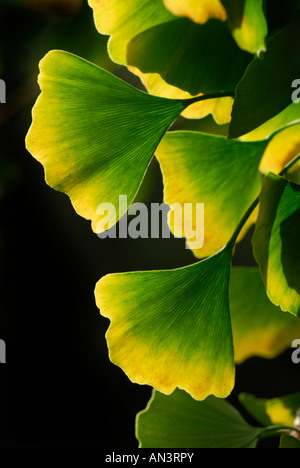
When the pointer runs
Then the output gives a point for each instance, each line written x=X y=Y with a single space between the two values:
x=94 y=134
x=198 y=11
x=195 y=58
x=281 y=411
x=179 y=421
x=202 y=168
x=259 y=327
x=248 y=24
x=171 y=328
x=266 y=88
x=276 y=242
x=172 y=55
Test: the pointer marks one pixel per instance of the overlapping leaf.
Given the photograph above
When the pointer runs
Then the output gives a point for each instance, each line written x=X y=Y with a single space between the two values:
x=276 y=242
x=94 y=134
x=259 y=328
x=182 y=56
x=179 y=421
x=172 y=328
x=201 y=168
x=265 y=89
x=246 y=18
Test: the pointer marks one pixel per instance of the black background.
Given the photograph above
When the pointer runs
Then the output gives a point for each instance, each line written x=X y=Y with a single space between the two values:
x=58 y=387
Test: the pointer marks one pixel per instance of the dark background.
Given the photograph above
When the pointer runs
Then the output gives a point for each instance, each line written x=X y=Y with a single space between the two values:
x=58 y=387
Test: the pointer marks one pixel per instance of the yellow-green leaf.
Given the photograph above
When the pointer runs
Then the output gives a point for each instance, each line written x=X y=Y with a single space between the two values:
x=201 y=168
x=94 y=134
x=172 y=328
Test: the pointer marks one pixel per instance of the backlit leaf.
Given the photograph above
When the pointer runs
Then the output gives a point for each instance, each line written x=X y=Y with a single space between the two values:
x=276 y=242
x=179 y=421
x=172 y=328
x=94 y=134
x=201 y=168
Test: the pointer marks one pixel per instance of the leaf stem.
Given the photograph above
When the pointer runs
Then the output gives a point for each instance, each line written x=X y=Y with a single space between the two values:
x=204 y=97
x=248 y=213
x=289 y=165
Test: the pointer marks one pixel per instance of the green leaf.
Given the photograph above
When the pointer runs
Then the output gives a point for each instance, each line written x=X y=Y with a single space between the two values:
x=287 y=441
x=247 y=22
x=276 y=242
x=179 y=421
x=94 y=134
x=266 y=88
x=172 y=328
x=259 y=328
x=201 y=168
x=276 y=411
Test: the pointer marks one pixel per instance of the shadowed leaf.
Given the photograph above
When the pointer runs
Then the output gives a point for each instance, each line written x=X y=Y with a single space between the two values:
x=179 y=421
x=174 y=57
x=265 y=90
x=276 y=242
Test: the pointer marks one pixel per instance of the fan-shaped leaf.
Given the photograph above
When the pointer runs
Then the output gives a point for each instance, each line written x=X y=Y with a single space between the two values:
x=94 y=134
x=172 y=328
x=179 y=421
x=201 y=168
